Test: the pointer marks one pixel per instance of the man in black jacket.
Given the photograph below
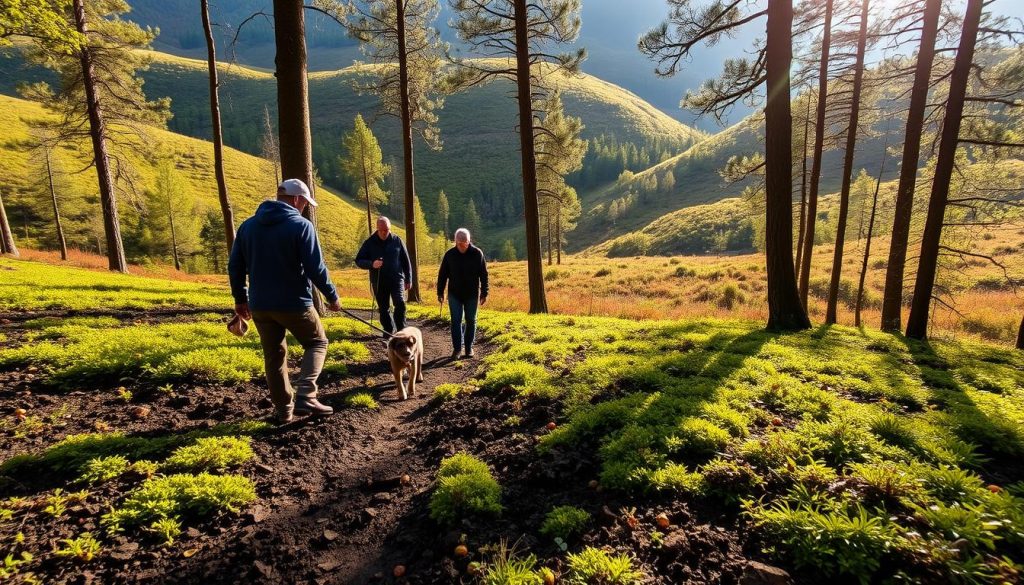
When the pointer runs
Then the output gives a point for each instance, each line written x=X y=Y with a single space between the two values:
x=385 y=256
x=464 y=269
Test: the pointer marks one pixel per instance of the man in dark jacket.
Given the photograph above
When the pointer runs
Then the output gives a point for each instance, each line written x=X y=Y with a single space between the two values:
x=385 y=256
x=279 y=252
x=464 y=269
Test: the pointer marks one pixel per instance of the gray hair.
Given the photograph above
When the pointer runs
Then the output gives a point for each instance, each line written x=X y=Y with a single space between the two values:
x=385 y=220
x=462 y=235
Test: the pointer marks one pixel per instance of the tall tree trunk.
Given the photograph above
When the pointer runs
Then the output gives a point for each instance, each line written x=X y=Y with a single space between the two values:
x=6 y=235
x=803 y=186
x=558 y=234
x=551 y=256
x=784 y=309
x=295 y=144
x=819 y=145
x=867 y=245
x=366 y=191
x=534 y=262
x=851 y=146
x=218 y=138
x=410 y=177
x=61 y=242
x=174 y=236
x=98 y=132
x=1020 y=335
x=917 y=324
x=892 y=300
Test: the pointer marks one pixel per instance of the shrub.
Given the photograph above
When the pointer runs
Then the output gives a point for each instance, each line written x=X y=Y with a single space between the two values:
x=102 y=469
x=175 y=495
x=506 y=567
x=593 y=566
x=729 y=480
x=518 y=375
x=211 y=453
x=830 y=542
x=465 y=487
x=602 y=272
x=951 y=484
x=697 y=436
x=361 y=400
x=219 y=364
x=676 y=477
x=886 y=480
x=565 y=521
x=635 y=244
x=167 y=529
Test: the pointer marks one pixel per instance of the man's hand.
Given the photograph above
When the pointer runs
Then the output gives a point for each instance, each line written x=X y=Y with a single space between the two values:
x=242 y=310
x=483 y=301
x=335 y=305
x=378 y=263
x=408 y=285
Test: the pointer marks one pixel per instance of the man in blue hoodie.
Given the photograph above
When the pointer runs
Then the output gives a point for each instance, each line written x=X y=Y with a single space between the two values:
x=385 y=256
x=278 y=250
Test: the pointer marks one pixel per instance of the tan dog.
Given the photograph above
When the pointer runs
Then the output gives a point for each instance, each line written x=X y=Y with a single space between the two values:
x=405 y=352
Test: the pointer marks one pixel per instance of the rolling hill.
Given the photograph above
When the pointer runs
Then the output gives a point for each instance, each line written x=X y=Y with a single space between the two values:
x=250 y=181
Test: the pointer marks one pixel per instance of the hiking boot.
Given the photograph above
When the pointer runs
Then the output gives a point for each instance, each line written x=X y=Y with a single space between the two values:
x=455 y=353
x=469 y=354
x=283 y=416
x=306 y=405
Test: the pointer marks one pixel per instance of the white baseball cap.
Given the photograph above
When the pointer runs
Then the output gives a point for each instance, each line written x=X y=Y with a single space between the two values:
x=296 y=188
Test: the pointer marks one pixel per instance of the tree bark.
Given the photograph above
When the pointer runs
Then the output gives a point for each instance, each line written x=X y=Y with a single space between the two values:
x=61 y=242
x=407 y=153
x=534 y=261
x=1020 y=335
x=917 y=324
x=366 y=190
x=785 y=311
x=174 y=236
x=867 y=245
x=7 y=245
x=851 y=146
x=295 y=143
x=551 y=255
x=558 y=235
x=803 y=187
x=819 y=144
x=218 y=138
x=892 y=300
x=98 y=131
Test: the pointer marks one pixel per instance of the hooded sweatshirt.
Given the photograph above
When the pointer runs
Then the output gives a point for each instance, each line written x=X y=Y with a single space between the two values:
x=278 y=250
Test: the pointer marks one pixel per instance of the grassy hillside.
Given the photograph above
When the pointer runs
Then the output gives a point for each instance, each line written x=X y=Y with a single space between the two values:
x=480 y=158
x=250 y=181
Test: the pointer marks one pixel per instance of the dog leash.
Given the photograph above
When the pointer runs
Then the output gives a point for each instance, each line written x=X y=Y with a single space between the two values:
x=365 y=322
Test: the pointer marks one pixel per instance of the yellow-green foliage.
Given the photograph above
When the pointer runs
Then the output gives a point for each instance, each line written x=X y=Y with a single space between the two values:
x=595 y=566
x=465 y=487
x=565 y=521
x=361 y=400
x=211 y=454
x=82 y=548
x=445 y=392
x=103 y=469
x=175 y=495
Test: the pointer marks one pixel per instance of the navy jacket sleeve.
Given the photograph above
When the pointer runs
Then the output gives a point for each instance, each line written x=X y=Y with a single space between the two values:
x=403 y=257
x=442 y=276
x=363 y=259
x=237 y=269
x=484 y=285
x=313 y=263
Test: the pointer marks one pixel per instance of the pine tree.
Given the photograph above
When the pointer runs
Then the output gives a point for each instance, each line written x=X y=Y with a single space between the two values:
x=442 y=214
x=422 y=235
x=508 y=252
x=560 y=151
x=172 y=216
x=471 y=219
x=516 y=31
x=269 y=148
x=364 y=164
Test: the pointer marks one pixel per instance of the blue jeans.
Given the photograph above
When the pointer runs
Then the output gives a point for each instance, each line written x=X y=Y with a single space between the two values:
x=388 y=292
x=459 y=308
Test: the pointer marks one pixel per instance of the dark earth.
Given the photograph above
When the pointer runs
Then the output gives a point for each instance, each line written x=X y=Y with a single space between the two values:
x=332 y=505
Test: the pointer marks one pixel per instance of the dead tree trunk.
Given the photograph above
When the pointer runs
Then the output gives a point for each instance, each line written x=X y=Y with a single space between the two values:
x=98 y=131
x=917 y=324
x=174 y=236
x=892 y=300
x=6 y=235
x=407 y=153
x=558 y=235
x=1020 y=335
x=851 y=146
x=819 y=145
x=551 y=256
x=296 y=144
x=867 y=245
x=534 y=261
x=218 y=138
x=785 y=312
x=61 y=242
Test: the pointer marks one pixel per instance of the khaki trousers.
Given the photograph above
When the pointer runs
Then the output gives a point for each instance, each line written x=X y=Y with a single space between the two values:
x=307 y=328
